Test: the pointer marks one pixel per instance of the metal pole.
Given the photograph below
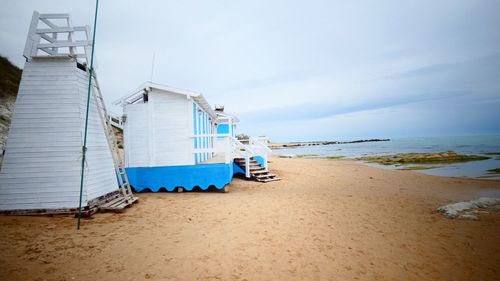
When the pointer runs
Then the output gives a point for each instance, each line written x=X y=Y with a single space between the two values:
x=152 y=67
x=84 y=147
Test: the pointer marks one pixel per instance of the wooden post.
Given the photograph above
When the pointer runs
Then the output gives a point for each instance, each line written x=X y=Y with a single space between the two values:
x=247 y=166
x=228 y=150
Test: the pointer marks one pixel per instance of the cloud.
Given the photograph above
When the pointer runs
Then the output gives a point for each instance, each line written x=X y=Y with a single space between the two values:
x=313 y=111
x=490 y=62
x=299 y=63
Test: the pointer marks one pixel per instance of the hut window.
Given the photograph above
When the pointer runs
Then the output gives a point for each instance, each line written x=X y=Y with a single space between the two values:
x=145 y=97
x=81 y=66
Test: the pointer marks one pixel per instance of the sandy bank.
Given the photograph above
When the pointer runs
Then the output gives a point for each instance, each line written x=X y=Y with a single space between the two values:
x=327 y=219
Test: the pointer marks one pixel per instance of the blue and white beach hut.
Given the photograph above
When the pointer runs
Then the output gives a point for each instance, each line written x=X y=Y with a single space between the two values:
x=172 y=142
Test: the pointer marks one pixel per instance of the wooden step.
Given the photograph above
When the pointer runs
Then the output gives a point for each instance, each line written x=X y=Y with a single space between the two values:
x=251 y=166
x=118 y=204
x=267 y=173
x=259 y=172
x=262 y=178
x=256 y=168
x=243 y=162
x=243 y=159
x=269 y=180
x=239 y=158
x=265 y=178
x=112 y=201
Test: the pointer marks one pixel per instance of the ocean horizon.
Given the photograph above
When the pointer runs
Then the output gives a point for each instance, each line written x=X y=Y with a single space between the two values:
x=470 y=145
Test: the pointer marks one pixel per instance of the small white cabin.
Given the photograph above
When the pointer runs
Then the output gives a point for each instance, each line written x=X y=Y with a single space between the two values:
x=170 y=130
x=163 y=126
x=173 y=141
x=42 y=164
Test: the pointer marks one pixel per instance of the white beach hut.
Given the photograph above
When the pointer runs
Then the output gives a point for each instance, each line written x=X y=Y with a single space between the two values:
x=41 y=170
x=171 y=142
x=226 y=125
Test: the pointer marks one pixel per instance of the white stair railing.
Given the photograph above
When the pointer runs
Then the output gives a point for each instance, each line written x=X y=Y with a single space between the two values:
x=243 y=151
x=234 y=148
x=260 y=146
x=57 y=38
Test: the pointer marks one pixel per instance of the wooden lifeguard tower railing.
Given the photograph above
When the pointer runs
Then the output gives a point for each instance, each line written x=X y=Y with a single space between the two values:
x=58 y=38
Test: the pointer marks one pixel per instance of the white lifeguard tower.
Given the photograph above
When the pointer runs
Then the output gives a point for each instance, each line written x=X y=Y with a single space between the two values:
x=41 y=170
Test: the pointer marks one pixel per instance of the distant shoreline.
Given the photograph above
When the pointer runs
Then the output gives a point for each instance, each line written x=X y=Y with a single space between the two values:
x=313 y=143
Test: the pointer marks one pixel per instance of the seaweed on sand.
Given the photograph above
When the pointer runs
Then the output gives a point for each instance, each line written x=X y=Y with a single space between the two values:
x=417 y=168
x=422 y=158
x=494 y=171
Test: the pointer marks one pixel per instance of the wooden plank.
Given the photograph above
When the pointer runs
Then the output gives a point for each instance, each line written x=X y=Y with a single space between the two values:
x=118 y=204
x=55 y=30
x=30 y=41
x=112 y=202
x=49 y=212
x=269 y=180
x=53 y=16
x=80 y=43
x=258 y=172
x=256 y=168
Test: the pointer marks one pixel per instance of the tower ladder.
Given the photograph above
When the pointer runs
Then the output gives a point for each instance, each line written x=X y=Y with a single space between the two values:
x=121 y=173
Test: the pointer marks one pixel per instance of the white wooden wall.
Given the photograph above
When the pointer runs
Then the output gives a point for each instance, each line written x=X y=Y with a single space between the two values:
x=157 y=133
x=41 y=167
x=136 y=135
x=100 y=176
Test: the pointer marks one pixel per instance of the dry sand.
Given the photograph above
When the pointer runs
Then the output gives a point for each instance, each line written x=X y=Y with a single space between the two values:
x=326 y=220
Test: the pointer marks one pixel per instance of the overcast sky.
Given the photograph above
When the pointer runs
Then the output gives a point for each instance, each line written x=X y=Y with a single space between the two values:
x=301 y=70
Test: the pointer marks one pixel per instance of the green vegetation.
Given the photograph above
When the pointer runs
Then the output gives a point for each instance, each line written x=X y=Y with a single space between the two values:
x=494 y=171
x=242 y=136
x=318 y=156
x=10 y=76
x=119 y=137
x=493 y=153
x=417 y=168
x=422 y=158
x=307 y=155
x=334 y=157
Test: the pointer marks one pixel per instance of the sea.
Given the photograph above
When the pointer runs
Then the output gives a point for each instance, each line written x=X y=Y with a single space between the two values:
x=471 y=145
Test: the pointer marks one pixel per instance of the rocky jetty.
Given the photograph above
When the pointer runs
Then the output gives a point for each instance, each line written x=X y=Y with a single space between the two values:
x=313 y=143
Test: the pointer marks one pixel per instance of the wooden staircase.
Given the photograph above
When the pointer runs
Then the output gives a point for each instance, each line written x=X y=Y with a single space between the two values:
x=257 y=172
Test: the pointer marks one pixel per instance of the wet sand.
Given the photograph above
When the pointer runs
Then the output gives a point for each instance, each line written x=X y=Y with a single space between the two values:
x=326 y=220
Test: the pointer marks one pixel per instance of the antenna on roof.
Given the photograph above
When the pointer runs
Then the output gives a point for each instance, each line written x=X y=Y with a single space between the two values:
x=152 y=67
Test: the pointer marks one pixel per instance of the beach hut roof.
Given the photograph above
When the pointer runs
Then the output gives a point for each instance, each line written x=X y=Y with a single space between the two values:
x=136 y=96
x=224 y=116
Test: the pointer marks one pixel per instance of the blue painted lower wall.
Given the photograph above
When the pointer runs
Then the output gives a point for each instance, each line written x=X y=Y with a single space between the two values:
x=259 y=160
x=188 y=177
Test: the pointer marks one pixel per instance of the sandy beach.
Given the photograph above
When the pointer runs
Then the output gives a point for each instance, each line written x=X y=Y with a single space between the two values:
x=326 y=220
